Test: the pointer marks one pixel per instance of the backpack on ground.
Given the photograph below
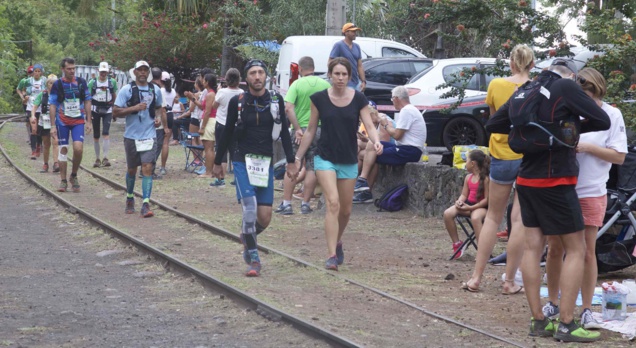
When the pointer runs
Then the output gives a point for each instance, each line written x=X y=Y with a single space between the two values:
x=528 y=133
x=393 y=199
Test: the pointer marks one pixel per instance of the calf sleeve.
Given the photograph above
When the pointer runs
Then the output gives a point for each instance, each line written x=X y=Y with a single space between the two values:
x=130 y=185
x=146 y=188
x=96 y=146
x=106 y=147
x=249 y=221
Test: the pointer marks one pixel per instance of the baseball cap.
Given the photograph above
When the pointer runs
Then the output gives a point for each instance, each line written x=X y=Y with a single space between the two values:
x=38 y=66
x=252 y=63
x=165 y=76
x=568 y=63
x=349 y=27
x=30 y=69
x=103 y=66
x=141 y=63
x=373 y=104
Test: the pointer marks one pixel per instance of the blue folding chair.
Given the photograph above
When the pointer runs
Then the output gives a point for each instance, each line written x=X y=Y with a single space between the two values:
x=194 y=158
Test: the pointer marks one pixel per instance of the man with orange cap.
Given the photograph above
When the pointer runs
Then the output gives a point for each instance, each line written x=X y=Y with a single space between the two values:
x=351 y=51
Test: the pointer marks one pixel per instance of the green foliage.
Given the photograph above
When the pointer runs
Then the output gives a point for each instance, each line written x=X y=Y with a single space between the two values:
x=9 y=55
x=172 y=42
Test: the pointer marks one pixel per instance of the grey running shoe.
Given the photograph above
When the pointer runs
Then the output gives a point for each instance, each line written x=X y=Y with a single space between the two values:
x=363 y=197
x=588 y=321
x=75 y=184
x=97 y=163
x=284 y=209
x=130 y=206
x=162 y=171
x=332 y=263
x=305 y=209
x=551 y=310
x=339 y=253
x=63 y=186
x=542 y=328
x=572 y=332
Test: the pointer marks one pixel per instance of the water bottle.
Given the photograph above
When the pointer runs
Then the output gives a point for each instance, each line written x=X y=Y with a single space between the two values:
x=425 y=154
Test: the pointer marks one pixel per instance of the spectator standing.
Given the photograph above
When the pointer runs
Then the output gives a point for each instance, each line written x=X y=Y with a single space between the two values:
x=504 y=167
x=350 y=50
x=255 y=112
x=140 y=102
x=168 y=95
x=596 y=151
x=161 y=129
x=208 y=123
x=104 y=91
x=409 y=134
x=221 y=100
x=339 y=109
x=298 y=110
x=548 y=200
x=70 y=106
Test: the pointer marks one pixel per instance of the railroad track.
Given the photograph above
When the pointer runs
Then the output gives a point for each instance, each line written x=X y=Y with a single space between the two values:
x=249 y=300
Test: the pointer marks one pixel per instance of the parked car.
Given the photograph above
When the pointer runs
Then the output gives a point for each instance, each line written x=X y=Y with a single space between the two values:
x=384 y=74
x=462 y=126
x=319 y=47
x=422 y=87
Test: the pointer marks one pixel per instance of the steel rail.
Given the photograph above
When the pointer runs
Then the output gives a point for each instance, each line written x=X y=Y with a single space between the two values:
x=236 y=294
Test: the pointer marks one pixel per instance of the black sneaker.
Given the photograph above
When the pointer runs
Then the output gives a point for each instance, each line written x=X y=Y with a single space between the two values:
x=572 y=332
x=542 y=328
x=363 y=197
x=305 y=209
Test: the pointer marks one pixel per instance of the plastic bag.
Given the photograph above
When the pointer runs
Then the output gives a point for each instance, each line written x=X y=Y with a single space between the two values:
x=460 y=154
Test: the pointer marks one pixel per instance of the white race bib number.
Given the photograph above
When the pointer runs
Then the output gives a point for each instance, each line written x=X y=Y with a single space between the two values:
x=72 y=108
x=144 y=145
x=100 y=96
x=46 y=121
x=258 y=169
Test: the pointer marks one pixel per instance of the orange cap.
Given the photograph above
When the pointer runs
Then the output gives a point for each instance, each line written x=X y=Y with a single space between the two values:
x=349 y=27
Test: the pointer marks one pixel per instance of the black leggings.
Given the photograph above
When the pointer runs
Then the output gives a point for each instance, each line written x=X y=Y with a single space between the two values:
x=178 y=123
x=35 y=140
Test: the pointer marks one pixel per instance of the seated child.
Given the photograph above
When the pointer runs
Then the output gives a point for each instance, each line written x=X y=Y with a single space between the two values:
x=473 y=201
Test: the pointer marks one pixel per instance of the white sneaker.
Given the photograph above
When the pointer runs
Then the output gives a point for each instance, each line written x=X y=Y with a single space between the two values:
x=518 y=278
x=550 y=310
x=588 y=322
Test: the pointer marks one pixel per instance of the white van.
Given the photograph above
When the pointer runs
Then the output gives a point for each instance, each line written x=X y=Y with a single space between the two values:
x=319 y=48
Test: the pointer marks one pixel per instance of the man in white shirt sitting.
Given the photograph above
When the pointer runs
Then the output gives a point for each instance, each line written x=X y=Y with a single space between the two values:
x=409 y=134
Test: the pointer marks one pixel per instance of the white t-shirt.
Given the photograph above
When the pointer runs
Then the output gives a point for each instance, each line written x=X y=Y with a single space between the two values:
x=168 y=97
x=36 y=88
x=593 y=171
x=102 y=95
x=198 y=112
x=223 y=98
x=411 y=120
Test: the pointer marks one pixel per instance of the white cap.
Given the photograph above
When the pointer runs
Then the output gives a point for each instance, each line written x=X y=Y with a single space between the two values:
x=165 y=76
x=141 y=63
x=103 y=66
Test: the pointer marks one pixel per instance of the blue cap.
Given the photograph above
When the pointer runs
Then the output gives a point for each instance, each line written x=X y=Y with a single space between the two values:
x=38 y=66
x=373 y=104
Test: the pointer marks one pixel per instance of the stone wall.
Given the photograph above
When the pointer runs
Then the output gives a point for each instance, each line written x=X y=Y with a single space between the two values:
x=432 y=188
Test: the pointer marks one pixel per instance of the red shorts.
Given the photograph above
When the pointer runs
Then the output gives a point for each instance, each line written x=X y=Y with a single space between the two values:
x=593 y=209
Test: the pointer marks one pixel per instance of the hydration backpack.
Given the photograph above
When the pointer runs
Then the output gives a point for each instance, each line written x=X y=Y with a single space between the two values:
x=528 y=133
x=81 y=85
x=274 y=109
x=135 y=99
x=392 y=200
x=111 y=88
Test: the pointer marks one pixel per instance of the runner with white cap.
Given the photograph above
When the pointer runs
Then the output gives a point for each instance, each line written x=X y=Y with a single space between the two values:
x=104 y=92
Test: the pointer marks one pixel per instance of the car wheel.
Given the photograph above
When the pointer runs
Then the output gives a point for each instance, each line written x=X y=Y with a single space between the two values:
x=463 y=130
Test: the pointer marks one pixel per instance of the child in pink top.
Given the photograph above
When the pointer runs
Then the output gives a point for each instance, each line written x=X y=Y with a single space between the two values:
x=473 y=201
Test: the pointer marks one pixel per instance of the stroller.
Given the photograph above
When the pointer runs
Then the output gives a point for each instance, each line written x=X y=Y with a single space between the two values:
x=614 y=250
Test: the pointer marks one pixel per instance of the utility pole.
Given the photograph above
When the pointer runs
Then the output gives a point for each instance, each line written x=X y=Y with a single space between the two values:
x=335 y=17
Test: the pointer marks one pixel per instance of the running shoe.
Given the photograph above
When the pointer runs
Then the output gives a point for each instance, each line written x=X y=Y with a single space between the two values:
x=156 y=176
x=284 y=209
x=201 y=170
x=542 y=328
x=63 y=186
x=162 y=171
x=499 y=260
x=45 y=168
x=363 y=197
x=361 y=185
x=588 y=322
x=33 y=155
x=339 y=253
x=456 y=247
x=218 y=183
x=572 y=332
x=56 y=167
x=550 y=310
x=130 y=206
x=97 y=163
x=332 y=263
x=305 y=209
x=254 y=269
x=145 y=211
x=105 y=162
x=75 y=184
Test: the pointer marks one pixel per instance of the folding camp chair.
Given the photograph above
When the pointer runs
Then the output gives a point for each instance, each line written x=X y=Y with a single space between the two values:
x=194 y=158
x=470 y=236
